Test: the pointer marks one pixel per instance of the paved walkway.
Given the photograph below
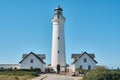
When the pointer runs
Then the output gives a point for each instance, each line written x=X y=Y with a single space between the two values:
x=56 y=77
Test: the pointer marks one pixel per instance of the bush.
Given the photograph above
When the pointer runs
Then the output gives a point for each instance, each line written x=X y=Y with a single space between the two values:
x=102 y=73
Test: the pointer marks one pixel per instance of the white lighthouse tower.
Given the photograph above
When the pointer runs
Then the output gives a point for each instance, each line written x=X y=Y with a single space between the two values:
x=58 y=40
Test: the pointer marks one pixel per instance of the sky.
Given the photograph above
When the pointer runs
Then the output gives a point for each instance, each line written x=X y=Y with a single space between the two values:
x=91 y=25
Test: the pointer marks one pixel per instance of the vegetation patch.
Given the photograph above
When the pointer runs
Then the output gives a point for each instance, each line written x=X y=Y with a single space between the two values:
x=18 y=74
x=25 y=77
x=102 y=73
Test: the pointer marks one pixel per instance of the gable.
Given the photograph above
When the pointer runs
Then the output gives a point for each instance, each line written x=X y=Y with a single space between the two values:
x=85 y=55
x=32 y=55
x=85 y=58
x=31 y=59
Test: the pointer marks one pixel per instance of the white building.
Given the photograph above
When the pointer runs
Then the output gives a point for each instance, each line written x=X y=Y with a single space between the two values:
x=58 y=41
x=83 y=61
x=10 y=66
x=32 y=61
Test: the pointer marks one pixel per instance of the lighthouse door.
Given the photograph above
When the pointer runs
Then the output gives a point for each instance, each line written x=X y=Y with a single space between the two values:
x=58 y=68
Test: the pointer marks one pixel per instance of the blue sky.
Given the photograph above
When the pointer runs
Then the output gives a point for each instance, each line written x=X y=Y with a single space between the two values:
x=91 y=25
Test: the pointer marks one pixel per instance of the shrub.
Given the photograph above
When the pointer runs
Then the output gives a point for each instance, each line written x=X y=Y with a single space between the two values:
x=102 y=73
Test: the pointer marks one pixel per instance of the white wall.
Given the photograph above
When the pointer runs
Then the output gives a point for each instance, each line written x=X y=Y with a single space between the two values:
x=84 y=64
x=36 y=63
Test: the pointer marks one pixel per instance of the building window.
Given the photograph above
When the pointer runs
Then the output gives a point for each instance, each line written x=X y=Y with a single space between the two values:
x=89 y=67
x=80 y=66
x=31 y=67
x=15 y=68
x=31 y=60
x=1 y=68
x=85 y=59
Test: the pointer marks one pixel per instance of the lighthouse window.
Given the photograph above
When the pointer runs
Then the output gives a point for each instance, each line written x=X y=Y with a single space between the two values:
x=58 y=17
x=58 y=38
x=58 y=51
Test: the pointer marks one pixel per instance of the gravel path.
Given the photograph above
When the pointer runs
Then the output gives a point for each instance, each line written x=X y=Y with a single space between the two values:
x=56 y=77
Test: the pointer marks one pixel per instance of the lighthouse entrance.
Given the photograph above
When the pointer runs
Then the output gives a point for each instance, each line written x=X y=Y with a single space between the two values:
x=58 y=68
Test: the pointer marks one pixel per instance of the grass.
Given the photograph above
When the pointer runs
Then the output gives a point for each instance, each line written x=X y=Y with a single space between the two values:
x=5 y=77
x=17 y=75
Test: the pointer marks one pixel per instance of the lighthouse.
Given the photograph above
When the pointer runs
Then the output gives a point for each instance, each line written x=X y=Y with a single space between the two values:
x=58 y=41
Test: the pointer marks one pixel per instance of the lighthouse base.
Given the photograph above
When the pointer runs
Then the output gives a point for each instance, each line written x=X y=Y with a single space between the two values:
x=55 y=68
x=61 y=69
